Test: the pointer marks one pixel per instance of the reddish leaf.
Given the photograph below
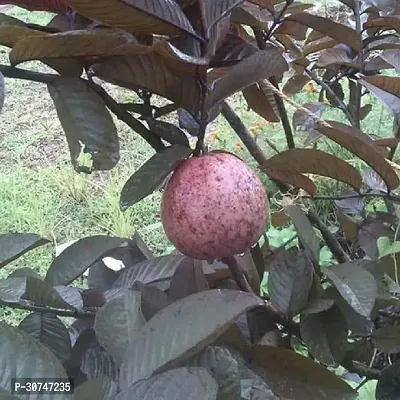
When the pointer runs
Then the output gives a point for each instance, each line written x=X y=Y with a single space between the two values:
x=296 y=377
x=347 y=137
x=62 y=22
x=40 y=5
x=313 y=161
x=305 y=121
x=369 y=233
x=258 y=100
x=389 y=84
x=295 y=29
x=234 y=49
x=279 y=218
x=66 y=44
x=10 y=35
x=387 y=339
x=144 y=17
x=325 y=335
x=295 y=84
x=259 y=66
x=167 y=131
x=336 y=55
x=212 y=11
x=320 y=44
x=384 y=22
x=337 y=31
x=291 y=177
x=148 y=72
x=188 y=279
x=249 y=14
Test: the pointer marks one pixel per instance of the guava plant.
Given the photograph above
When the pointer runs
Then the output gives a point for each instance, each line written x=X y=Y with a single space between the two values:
x=192 y=324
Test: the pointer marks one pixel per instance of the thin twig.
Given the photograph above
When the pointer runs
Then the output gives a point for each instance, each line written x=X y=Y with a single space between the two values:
x=328 y=89
x=360 y=61
x=329 y=237
x=277 y=20
x=62 y=313
x=151 y=138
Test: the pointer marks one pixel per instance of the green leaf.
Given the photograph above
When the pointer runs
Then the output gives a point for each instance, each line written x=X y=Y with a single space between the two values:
x=78 y=257
x=98 y=389
x=50 y=331
x=387 y=247
x=118 y=322
x=177 y=332
x=305 y=231
x=151 y=174
x=290 y=280
x=356 y=285
x=367 y=391
x=295 y=377
x=189 y=383
x=325 y=335
x=14 y=245
x=23 y=356
x=148 y=271
x=388 y=387
x=86 y=121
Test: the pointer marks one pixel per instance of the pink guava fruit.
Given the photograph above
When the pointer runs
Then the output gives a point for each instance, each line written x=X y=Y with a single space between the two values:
x=214 y=206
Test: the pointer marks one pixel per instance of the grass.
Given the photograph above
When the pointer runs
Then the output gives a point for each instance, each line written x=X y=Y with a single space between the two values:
x=40 y=192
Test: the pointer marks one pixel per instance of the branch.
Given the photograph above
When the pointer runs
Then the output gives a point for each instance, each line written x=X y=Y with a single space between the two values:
x=391 y=197
x=278 y=100
x=164 y=110
x=90 y=313
x=328 y=89
x=360 y=61
x=244 y=134
x=361 y=369
x=277 y=20
x=18 y=73
x=329 y=237
x=151 y=138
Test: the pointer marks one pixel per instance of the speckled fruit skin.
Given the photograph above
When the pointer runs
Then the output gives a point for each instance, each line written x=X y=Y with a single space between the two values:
x=214 y=206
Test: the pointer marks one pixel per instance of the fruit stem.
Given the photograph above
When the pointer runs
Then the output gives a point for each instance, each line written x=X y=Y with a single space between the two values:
x=237 y=273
